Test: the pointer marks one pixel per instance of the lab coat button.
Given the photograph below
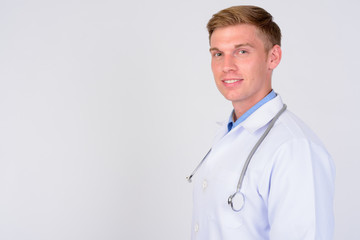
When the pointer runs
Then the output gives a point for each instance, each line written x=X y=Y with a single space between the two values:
x=205 y=184
x=196 y=227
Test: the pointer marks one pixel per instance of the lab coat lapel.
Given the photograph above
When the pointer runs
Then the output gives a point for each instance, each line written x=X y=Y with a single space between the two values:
x=263 y=115
x=255 y=121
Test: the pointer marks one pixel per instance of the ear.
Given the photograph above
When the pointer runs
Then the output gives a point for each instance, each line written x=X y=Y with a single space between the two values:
x=274 y=57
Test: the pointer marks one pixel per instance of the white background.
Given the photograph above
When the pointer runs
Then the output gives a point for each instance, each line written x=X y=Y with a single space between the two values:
x=106 y=106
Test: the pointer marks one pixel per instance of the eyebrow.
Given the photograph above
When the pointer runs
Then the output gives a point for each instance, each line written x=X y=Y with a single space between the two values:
x=244 y=45
x=236 y=46
x=214 y=49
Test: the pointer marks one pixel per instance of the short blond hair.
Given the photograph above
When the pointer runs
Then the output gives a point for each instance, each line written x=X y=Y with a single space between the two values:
x=253 y=15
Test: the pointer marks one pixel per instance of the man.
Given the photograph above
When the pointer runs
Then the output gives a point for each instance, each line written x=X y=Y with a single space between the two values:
x=288 y=185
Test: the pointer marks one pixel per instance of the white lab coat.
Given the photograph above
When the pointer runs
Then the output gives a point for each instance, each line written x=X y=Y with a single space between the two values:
x=288 y=187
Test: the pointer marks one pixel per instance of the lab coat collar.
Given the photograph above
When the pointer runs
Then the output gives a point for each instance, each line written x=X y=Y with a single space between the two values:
x=255 y=121
x=263 y=115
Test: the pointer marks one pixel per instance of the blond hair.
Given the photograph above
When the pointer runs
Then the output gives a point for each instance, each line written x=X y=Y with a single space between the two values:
x=253 y=15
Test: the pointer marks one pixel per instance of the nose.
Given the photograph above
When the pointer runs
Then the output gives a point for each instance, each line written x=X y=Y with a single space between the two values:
x=229 y=64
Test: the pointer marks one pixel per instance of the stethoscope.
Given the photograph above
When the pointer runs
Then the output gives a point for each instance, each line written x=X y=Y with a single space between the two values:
x=237 y=200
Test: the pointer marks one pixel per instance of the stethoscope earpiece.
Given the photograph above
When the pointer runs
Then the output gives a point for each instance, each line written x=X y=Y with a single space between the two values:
x=189 y=178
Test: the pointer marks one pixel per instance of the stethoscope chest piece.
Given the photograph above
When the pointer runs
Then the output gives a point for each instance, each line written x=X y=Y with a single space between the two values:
x=237 y=201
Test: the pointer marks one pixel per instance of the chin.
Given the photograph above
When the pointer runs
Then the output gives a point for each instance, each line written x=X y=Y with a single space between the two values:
x=232 y=97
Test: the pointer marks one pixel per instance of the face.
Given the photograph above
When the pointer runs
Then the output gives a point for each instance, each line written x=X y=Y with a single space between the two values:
x=241 y=66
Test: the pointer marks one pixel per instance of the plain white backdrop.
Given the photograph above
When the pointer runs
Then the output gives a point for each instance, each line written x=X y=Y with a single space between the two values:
x=106 y=106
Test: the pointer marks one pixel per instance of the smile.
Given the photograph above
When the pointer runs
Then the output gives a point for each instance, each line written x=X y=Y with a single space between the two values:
x=231 y=80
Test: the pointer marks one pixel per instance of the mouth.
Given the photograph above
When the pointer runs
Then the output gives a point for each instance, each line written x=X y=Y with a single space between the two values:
x=231 y=82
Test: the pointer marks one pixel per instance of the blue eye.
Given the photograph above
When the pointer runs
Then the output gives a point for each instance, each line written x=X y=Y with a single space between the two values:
x=239 y=53
x=218 y=54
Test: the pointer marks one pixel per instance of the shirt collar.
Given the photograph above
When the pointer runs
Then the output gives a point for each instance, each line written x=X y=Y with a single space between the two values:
x=242 y=118
x=263 y=115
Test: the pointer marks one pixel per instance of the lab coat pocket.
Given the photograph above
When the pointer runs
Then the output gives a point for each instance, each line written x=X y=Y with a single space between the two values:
x=229 y=219
x=233 y=220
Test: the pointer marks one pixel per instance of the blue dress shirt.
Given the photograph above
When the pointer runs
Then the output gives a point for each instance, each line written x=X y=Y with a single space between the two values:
x=267 y=98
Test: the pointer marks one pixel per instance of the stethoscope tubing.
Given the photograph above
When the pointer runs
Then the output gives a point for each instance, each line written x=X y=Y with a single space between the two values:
x=246 y=164
x=197 y=167
x=256 y=146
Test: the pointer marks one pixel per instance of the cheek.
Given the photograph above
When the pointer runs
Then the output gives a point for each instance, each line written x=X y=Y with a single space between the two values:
x=254 y=68
x=216 y=68
x=213 y=67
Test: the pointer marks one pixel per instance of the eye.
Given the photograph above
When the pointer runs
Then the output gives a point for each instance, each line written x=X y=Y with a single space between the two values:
x=240 y=52
x=217 y=54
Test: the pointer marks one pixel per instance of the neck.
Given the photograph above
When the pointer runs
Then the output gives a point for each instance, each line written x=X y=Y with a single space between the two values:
x=242 y=107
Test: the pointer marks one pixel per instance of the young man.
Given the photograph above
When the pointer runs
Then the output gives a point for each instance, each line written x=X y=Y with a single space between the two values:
x=286 y=187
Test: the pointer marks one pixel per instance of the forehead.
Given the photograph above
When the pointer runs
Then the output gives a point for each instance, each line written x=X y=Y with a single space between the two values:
x=235 y=35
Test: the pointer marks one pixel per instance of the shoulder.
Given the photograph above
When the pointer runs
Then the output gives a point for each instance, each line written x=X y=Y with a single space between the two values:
x=294 y=150
x=289 y=130
x=292 y=143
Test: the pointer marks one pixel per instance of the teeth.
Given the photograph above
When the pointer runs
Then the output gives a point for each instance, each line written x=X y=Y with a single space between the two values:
x=231 y=81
